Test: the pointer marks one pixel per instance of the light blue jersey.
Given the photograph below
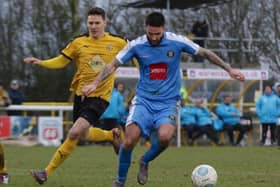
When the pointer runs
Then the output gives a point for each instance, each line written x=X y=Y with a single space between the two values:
x=160 y=77
x=158 y=88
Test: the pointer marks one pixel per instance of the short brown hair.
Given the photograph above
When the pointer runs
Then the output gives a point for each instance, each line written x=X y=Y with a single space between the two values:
x=97 y=11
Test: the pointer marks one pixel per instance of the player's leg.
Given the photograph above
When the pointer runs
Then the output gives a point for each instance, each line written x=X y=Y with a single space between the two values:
x=132 y=135
x=99 y=135
x=4 y=176
x=138 y=122
x=165 y=121
x=64 y=151
x=86 y=111
x=160 y=141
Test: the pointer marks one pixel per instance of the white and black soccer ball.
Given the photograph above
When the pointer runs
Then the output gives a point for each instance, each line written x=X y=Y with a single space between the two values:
x=204 y=176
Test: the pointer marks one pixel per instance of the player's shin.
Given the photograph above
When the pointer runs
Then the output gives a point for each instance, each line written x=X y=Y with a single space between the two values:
x=61 y=154
x=98 y=135
x=155 y=149
x=124 y=164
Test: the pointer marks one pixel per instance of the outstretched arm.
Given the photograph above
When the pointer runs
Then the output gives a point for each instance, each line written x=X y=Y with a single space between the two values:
x=108 y=69
x=213 y=58
x=53 y=63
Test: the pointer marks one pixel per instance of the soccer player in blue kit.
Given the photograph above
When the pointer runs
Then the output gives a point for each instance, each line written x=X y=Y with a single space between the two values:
x=153 y=109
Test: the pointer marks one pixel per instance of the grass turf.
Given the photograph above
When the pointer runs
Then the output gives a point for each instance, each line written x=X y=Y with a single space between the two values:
x=96 y=166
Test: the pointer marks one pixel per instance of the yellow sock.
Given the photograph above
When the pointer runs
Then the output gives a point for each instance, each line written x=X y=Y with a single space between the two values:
x=2 y=160
x=98 y=135
x=61 y=154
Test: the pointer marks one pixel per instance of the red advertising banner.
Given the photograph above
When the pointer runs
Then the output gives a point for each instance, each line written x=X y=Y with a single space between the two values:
x=5 y=127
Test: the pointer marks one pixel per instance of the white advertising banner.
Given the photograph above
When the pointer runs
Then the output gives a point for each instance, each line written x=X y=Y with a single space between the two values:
x=127 y=72
x=195 y=73
x=50 y=131
x=220 y=74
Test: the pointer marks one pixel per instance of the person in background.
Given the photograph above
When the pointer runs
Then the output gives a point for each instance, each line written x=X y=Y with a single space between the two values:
x=200 y=30
x=122 y=108
x=90 y=52
x=16 y=96
x=268 y=110
x=277 y=134
x=230 y=116
x=111 y=117
x=188 y=121
x=204 y=122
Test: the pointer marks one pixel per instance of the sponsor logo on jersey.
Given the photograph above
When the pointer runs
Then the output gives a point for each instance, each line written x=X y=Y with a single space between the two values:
x=158 y=71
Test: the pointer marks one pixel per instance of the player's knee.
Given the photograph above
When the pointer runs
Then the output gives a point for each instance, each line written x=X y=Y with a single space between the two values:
x=128 y=143
x=73 y=134
x=164 y=139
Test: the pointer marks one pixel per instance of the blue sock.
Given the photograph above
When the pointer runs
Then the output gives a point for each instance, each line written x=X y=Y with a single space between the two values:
x=154 y=150
x=124 y=163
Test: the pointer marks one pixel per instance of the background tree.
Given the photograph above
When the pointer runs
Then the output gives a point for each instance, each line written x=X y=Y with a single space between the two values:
x=41 y=28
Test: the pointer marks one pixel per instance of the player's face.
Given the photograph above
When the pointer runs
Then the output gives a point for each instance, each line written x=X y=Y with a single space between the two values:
x=154 y=34
x=227 y=100
x=96 y=26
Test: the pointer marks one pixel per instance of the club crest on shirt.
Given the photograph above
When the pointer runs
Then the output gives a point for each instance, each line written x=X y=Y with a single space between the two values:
x=109 y=47
x=170 y=53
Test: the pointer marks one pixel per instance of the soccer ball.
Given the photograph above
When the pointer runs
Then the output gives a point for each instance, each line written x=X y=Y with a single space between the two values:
x=204 y=176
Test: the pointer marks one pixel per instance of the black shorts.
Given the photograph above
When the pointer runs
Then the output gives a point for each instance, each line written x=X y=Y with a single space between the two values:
x=108 y=123
x=89 y=108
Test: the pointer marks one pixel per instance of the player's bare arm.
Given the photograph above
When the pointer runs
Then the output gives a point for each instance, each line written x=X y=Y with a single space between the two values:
x=108 y=70
x=213 y=58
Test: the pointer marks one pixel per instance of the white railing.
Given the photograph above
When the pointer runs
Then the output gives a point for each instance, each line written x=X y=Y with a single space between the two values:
x=59 y=108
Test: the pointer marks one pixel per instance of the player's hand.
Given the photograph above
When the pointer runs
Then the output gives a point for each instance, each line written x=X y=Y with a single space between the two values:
x=32 y=60
x=236 y=75
x=86 y=90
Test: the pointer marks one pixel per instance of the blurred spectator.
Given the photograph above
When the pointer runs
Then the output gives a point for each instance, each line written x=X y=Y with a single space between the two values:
x=122 y=108
x=204 y=122
x=200 y=29
x=4 y=99
x=230 y=115
x=267 y=109
x=16 y=96
x=188 y=120
x=277 y=134
x=111 y=116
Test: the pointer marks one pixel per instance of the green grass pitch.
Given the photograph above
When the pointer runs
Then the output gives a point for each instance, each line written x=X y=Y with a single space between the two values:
x=96 y=166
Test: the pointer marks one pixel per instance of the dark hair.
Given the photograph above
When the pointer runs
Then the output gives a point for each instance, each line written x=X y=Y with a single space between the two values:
x=155 y=19
x=97 y=11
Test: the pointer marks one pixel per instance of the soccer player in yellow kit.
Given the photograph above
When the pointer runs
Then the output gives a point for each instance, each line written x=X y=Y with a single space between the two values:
x=91 y=52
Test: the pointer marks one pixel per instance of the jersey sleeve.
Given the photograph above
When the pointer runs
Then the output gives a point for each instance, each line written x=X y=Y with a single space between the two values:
x=189 y=46
x=126 y=54
x=184 y=43
x=69 y=50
